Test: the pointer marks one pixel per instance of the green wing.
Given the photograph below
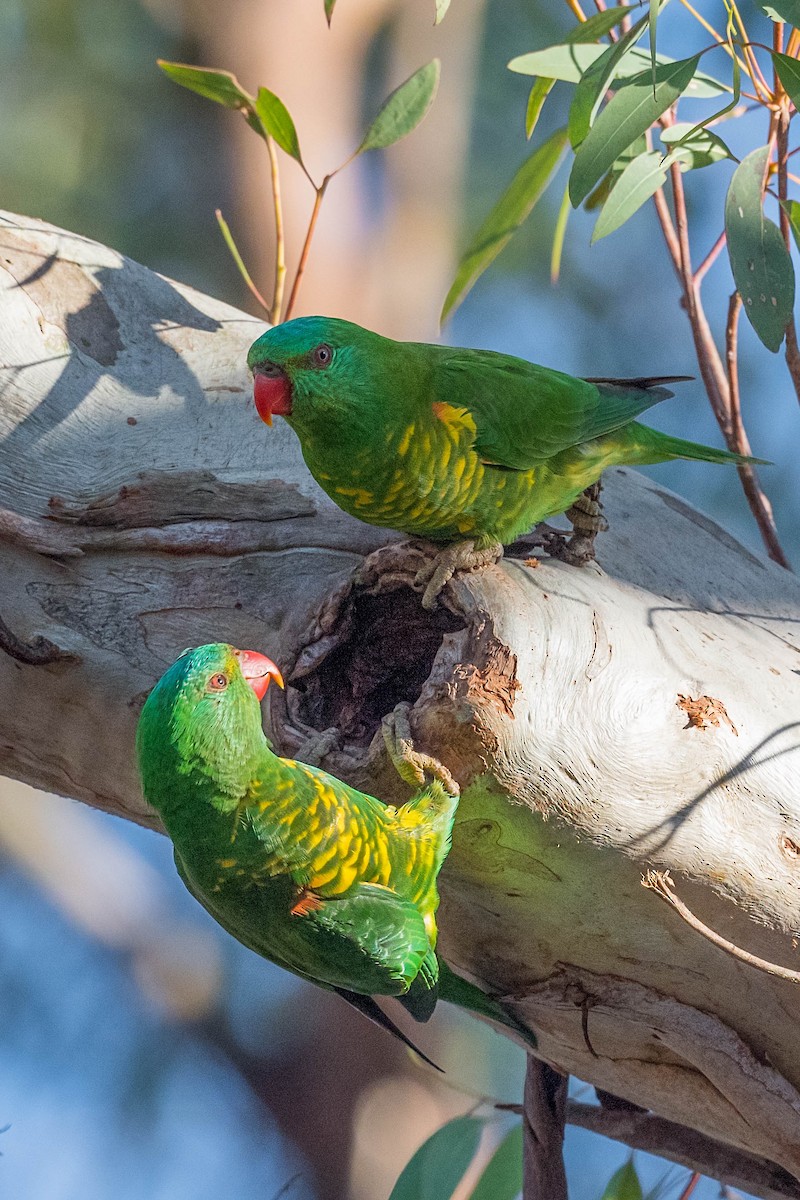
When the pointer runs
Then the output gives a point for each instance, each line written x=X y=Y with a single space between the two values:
x=524 y=414
x=364 y=1004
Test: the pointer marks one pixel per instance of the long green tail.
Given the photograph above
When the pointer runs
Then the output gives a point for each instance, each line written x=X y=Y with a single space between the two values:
x=645 y=445
x=466 y=995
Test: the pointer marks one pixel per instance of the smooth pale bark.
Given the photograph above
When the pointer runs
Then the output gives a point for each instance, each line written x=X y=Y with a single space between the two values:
x=551 y=692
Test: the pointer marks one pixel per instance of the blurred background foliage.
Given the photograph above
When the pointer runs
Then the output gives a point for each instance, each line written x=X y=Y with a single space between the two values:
x=144 y=1052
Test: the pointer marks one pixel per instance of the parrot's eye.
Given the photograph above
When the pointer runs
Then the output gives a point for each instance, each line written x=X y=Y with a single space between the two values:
x=322 y=355
x=218 y=683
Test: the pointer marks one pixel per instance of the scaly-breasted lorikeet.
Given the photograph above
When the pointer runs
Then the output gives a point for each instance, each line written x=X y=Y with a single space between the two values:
x=321 y=879
x=465 y=446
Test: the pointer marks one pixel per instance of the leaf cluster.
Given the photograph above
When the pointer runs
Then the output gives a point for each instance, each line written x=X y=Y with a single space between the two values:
x=625 y=139
x=268 y=116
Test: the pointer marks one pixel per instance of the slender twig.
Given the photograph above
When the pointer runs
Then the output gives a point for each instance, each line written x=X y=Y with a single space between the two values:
x=575 y=8
x=668 y=230
x=737 y=439
x=756 y=74
x=709 y=260
x=237 y=258
x=719 y=39
x=312 y=224
x=714 y=375
x=661 y=883
x=543 y=1120
x=708 y=358
x=690 y=1186
x=280 y=241
x=782 y=142
x=679 y=1144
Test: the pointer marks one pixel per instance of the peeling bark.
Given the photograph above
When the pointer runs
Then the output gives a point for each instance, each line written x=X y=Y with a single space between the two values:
x=550 y=692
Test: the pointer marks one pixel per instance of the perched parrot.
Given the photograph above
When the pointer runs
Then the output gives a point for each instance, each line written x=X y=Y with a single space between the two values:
x=319 y=878
x=454 y=445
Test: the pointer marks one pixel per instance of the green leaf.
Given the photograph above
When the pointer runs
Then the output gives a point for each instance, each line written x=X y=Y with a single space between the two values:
x=598 y=197
x=569 y=62
x=637 y=183
x=538 y=94
x=559 y=233
x=438 y=1166
x=509 y=212
x=652 y=25
x=594 y=81
x=695 y=131
x=441 y=8
x=597 y=26
x=782 y=10
x=404 y=109
x=788 y=70
x=274 y=116
x=329 y=7
x=627 y=115
x=502 y=1176
x=792 y=210
x=623 y=1184
x=220 y=86
x=697 y=147
x=761 y=265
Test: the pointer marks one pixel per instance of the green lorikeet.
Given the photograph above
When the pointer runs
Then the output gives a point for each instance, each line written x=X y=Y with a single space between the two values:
x=465 y=446
x=321 y=879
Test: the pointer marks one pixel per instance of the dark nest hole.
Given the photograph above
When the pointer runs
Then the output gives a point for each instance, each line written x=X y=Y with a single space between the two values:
x=386 y=654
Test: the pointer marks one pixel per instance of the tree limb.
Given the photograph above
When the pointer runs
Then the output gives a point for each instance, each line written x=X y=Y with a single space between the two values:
x=549 y=692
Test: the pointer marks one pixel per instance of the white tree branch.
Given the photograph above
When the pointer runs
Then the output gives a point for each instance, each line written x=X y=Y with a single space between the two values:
x=644 y=713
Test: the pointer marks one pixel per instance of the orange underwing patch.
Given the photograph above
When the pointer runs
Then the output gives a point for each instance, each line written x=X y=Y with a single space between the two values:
x=306 y=903
x=703 y=712
x=532 y=562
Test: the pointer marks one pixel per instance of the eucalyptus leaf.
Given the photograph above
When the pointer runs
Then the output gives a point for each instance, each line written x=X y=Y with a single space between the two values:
x=513 y=207
x=329 y=7
x=623 y=1184
x=761 y=265
x=538 y=94
x=792 y=210
x=593 y=84
x=627 y=115
x=597 y=26
x=638 y=182
x=568 y=62
x=438 y=1167
x=404 y=109
x=559 y=235
x=788 y=70
x=653 y=28
x=782 y=10
x=221 y=86
x=598 y=197
x=502 y=1176
x=441 y=8
x=275 y=117
x=697 y=147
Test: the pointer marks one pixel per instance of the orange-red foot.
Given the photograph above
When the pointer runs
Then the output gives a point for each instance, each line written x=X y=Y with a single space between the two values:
x=307 y=902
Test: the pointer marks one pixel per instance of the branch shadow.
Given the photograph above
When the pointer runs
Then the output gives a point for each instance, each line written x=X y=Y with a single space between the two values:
x=665 y=829
x=96 y=349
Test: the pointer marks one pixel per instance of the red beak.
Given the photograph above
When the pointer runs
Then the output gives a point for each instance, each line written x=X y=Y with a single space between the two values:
x=258 y=670
x=272 y=393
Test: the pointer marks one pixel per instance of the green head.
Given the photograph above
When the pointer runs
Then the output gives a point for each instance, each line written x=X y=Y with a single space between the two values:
x=327 y=376
x=203 y=720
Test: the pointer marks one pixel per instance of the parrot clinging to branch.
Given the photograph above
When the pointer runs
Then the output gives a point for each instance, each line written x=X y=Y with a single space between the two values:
x=321 y=879
x=463 y=446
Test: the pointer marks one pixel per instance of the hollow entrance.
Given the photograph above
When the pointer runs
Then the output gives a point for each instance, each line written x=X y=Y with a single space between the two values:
x=389 y=642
